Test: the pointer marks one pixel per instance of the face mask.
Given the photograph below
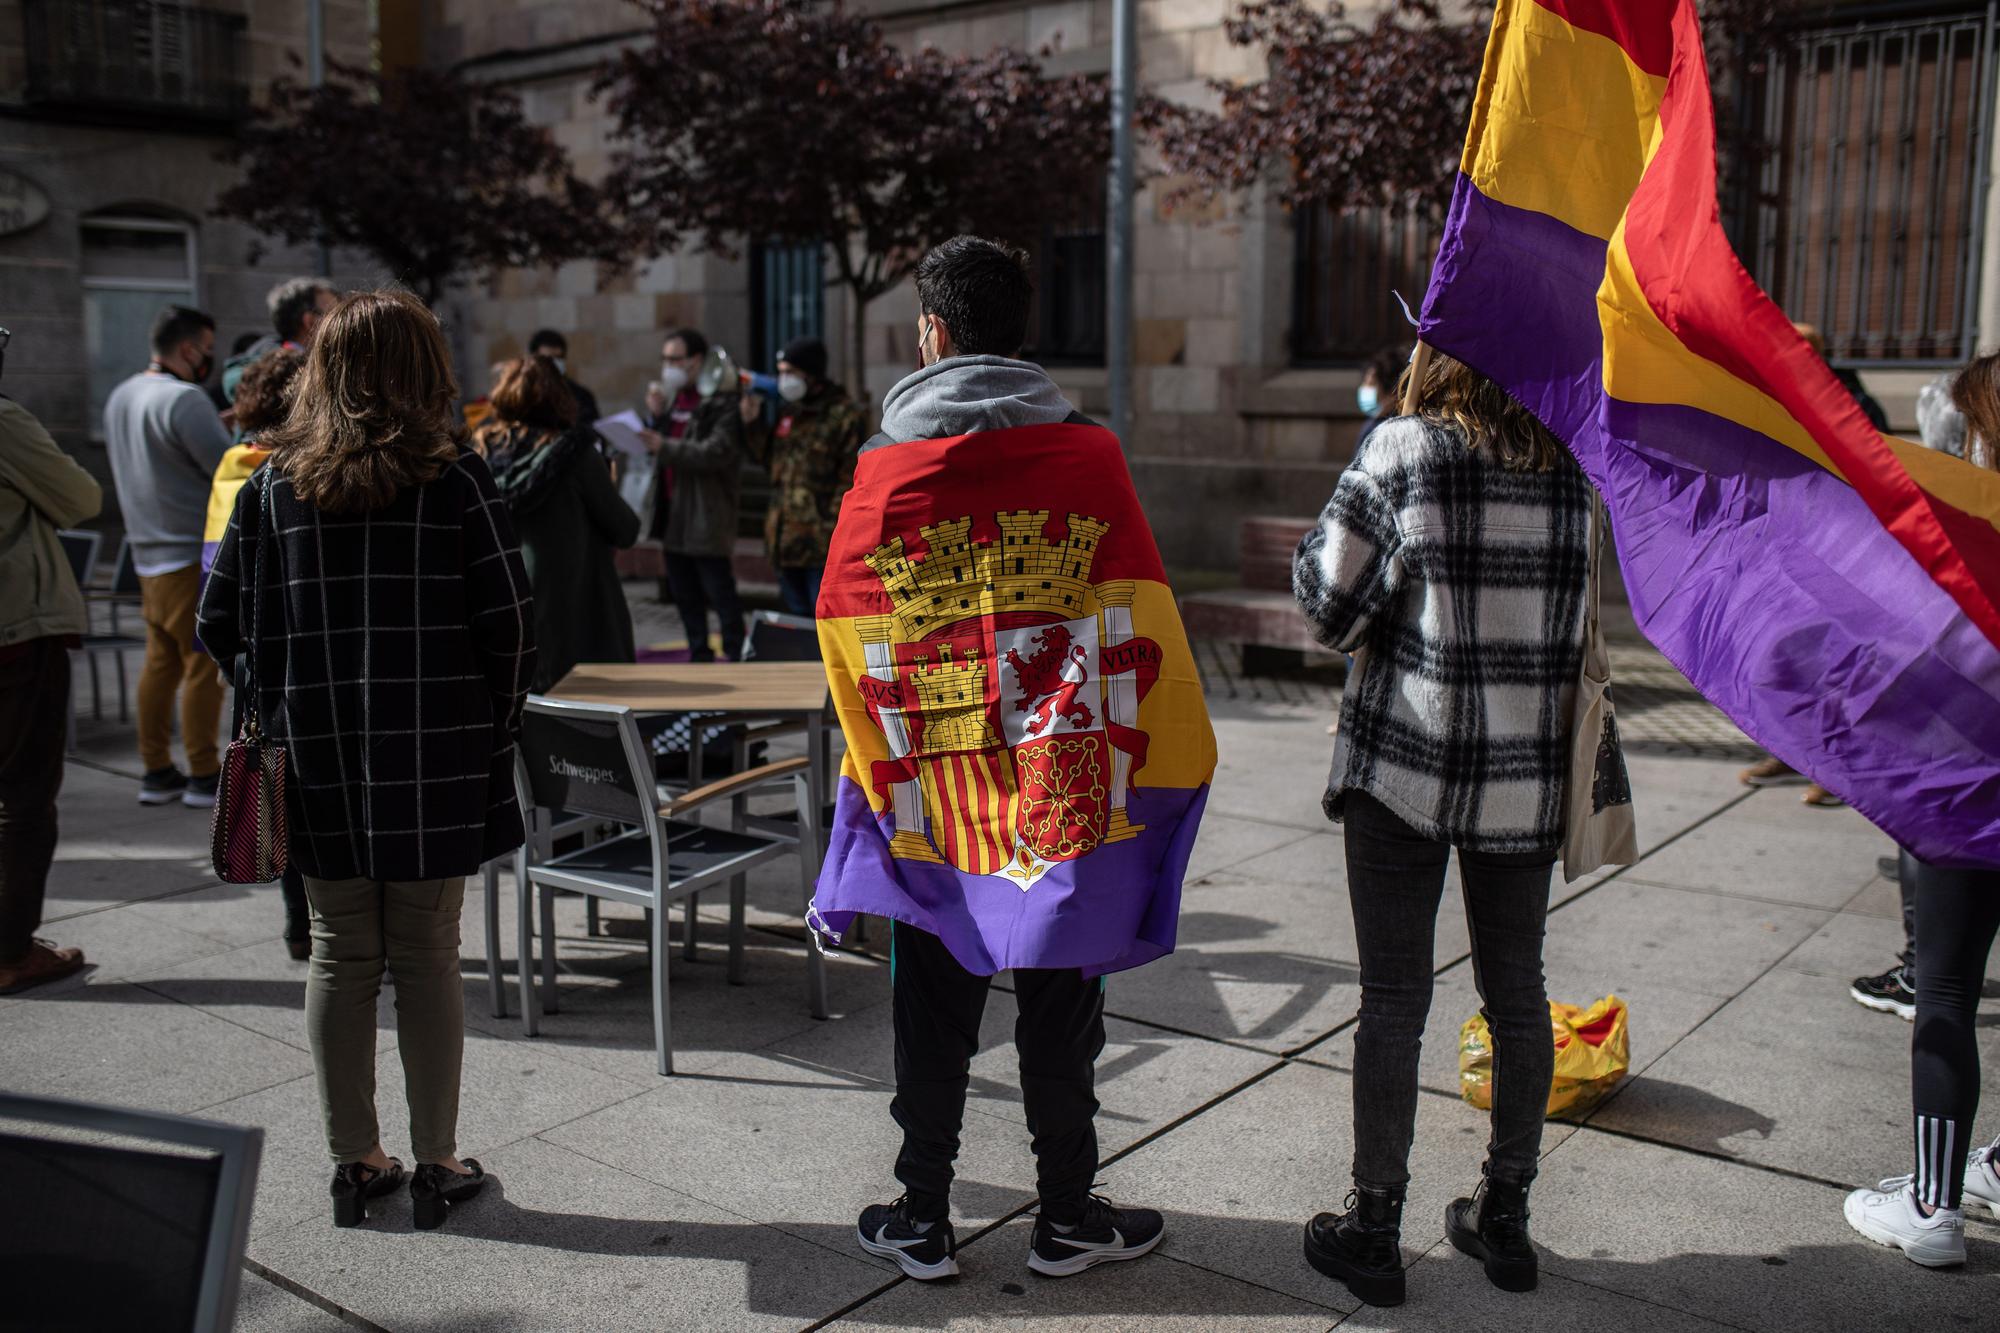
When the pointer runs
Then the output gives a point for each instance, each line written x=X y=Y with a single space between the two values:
x=925 y=354
x=202 y=369
x=562 y=367
x=672 y=378
x=791 y=388
x=1368 y=398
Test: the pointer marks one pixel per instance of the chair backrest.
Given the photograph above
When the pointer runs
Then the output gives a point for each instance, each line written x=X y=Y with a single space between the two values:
x=81 y=548
x=777 y=637
x=125 y=574
x=586 y=759
x=123 y=1236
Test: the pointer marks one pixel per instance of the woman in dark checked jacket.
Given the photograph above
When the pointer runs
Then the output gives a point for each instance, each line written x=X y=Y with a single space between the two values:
x=1452 y=560
x=395 y=647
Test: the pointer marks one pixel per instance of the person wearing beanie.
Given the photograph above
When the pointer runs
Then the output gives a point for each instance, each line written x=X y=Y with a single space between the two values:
x=810 y=449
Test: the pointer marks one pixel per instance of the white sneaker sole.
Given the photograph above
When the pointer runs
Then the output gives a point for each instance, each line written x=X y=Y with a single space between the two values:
x=1906 y=1012
x=147 y=797
x=916 y=1268
x=198 y=800
x=1919 y=1250
x=1088 y=1259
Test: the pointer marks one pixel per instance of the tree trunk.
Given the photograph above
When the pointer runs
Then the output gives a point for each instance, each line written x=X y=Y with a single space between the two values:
x=857 y=349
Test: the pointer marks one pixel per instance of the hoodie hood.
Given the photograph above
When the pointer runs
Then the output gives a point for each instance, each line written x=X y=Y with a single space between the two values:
x=526 y=472
x=964 y=394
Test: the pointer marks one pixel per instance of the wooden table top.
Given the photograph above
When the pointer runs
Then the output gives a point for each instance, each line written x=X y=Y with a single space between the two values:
x=678 y=687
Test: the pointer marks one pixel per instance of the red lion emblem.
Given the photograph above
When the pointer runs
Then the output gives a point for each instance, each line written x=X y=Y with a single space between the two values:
x=1051 y=679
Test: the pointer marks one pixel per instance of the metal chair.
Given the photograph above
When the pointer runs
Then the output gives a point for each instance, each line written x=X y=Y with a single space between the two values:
x=124 y=591
x=127 y=1236
x=586 y=760
x=777 y=637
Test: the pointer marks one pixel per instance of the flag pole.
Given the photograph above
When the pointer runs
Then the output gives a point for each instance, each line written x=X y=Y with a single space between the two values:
x=1413 y=387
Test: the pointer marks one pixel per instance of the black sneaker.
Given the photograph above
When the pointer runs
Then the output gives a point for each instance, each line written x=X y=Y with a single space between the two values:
x=1893 y=992
x=163 y=786
x=200 y=793
x=1105 y=1234
x=925 y=1250
x=1889 y=868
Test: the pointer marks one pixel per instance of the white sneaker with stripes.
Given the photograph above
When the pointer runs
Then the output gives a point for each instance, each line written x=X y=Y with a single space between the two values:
x=1888 y=1215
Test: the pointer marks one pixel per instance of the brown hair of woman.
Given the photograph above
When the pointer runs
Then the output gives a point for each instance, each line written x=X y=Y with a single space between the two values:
x=1976 y=393
x=1457 y=395
x=528 y=391
x=372 y=412
x=264 y=394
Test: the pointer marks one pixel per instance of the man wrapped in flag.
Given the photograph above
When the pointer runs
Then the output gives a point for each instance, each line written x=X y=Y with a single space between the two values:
x=1027 y=750
x=1833 y=589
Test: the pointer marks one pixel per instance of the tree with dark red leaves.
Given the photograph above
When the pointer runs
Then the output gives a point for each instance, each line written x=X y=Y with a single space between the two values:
x=437 y=177
x=1377 y=114
x=795 y=122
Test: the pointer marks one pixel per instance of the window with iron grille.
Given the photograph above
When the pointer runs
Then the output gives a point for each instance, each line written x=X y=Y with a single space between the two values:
x=1870 y=208
x=1349 y=265
x=1070 y=288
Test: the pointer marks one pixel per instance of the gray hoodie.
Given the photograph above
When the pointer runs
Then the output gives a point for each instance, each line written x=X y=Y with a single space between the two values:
x=961 y=395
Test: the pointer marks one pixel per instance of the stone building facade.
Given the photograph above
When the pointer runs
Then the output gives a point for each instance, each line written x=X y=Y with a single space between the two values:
x=115 y=114
x=1251 y=323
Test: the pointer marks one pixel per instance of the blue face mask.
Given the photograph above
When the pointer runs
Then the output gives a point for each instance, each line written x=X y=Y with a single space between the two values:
x=1368 y=398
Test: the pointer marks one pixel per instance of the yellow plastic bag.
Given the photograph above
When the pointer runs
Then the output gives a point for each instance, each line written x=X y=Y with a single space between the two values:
x=1593 y=1051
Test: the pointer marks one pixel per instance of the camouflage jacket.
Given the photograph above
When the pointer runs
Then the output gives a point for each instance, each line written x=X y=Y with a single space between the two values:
x=810 y=453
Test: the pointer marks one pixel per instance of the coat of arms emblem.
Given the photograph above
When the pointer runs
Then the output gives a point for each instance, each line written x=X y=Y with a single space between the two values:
x=1007 y=686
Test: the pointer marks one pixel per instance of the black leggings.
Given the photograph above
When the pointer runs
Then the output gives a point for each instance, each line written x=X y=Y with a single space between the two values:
x=1395 y=880
x=1958 y=914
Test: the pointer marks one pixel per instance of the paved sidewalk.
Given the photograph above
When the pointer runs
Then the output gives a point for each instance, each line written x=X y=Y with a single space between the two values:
x=1705 y=1193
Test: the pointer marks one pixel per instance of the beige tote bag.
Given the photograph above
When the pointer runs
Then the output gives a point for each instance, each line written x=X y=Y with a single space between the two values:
x=1598 y=828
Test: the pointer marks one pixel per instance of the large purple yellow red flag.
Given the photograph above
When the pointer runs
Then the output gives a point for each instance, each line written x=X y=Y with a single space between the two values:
x=1028 y=752
x=1834 y=590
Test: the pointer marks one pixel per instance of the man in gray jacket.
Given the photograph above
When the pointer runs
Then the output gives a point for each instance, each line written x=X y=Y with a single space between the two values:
x=165 y=439
x=42 y=489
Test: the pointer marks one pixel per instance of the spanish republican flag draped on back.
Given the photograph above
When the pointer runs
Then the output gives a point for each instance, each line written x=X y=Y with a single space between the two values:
x=1835 y=591
x=1028 y=752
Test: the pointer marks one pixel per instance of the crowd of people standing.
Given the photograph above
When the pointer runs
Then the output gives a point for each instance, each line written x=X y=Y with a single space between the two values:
x=386 y=587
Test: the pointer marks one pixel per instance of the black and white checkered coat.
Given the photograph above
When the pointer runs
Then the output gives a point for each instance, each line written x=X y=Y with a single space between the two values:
x=1462 y=586
x=396 y=649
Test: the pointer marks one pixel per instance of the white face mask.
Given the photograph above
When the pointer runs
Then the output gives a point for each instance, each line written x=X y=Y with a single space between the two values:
x=672 y=378
x=562 y=368
x=791 y=388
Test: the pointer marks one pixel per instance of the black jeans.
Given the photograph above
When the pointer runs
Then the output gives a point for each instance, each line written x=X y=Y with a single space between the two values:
x=1958 y=915
x=699 y=582
x=34 y=718
x=1059 y=1034
x=1395 y=879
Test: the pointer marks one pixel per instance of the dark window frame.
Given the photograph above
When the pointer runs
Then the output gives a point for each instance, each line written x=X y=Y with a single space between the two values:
x=1870 y=261
x=1072 y=289
x=1347 y=267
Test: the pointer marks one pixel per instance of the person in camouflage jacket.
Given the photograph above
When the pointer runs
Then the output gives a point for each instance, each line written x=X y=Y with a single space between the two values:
x=810 y=451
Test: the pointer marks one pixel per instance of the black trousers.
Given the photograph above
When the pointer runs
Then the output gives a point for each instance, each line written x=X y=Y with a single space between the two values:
x=1395 y=881
x=34 y=718
x=1059 y=1034
x=1958 y=915
x=698 y=583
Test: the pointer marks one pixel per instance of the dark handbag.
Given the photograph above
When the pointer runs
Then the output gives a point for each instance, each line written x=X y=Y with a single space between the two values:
x=248 y=836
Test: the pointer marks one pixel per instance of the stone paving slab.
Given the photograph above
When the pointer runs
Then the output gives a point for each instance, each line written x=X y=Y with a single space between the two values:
x=269 y=1308
x=1449 y=1291
x=120 y=1043
x=1653 y=1223
x=1789 y=1074
x=997 y=1292
x=1745 y=856
x=1239 y=1182
x=563 y=1242
x=794 y=1144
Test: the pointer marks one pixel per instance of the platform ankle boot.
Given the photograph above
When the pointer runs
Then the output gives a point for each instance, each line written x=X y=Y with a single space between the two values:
x=1362 y=1247
x=1492 y=1227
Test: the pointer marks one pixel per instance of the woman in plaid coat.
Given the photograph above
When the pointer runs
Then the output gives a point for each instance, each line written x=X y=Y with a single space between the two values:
x=1453 y=562
x=371 y=578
